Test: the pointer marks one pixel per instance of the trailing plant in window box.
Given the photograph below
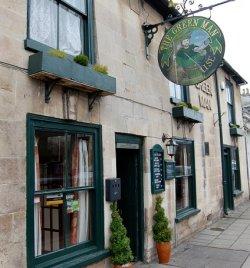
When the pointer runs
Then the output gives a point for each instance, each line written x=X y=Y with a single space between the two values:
x=234 y=125
x=103 y=69
x=82 y=59
x=188 y=105
x=121 y=253
x=57 y=53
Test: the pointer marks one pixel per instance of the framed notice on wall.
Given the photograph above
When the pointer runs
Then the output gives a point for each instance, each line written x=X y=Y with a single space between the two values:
x=157 y=169
x=169 y=169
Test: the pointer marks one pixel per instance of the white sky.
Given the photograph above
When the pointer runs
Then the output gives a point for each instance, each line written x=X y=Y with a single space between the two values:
x=234 y=20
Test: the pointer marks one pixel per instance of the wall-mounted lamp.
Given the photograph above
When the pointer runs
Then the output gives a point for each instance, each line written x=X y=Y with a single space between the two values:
x=171 y=145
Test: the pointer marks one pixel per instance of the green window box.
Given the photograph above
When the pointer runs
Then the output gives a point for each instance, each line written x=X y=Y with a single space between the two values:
x=237 y=132
x=187 y=114
x=67 y=73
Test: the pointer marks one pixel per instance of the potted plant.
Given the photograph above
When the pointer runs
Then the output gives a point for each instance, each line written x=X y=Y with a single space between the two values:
x=121 y=253
x=161 y=233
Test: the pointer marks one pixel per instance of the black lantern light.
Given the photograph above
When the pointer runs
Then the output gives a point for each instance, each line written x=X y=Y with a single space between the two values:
x=171 y=145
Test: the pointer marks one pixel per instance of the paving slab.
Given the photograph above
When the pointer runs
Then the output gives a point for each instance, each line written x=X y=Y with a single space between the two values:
x=226 y=243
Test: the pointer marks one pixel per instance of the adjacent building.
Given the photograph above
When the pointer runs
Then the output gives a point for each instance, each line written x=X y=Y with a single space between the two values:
x=65 y=129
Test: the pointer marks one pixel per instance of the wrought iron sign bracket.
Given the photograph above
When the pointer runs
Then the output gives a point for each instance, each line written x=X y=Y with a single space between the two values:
x=49 y=85
x=150 y=30
x=92 y=98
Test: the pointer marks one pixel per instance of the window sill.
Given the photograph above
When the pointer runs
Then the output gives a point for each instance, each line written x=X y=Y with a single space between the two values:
x=237 y=193
x=185 y=214
x=78 y=261
x=175 y=100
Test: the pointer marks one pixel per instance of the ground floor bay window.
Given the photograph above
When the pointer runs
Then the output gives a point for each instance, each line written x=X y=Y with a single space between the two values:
x=185 y=189
x=64 y=193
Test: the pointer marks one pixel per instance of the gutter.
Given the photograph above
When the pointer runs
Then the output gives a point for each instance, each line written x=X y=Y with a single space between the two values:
x=221 y=139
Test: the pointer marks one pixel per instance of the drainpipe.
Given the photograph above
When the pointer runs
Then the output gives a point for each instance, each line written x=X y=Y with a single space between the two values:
x=217 y=89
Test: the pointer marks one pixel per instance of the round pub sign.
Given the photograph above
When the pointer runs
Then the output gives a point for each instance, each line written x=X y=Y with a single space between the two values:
x=191 y=51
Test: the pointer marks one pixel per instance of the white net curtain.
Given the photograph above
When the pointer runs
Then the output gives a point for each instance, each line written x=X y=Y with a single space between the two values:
x=67 y=35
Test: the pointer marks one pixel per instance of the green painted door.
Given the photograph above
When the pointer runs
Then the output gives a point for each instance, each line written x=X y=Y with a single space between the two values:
x=227 y=180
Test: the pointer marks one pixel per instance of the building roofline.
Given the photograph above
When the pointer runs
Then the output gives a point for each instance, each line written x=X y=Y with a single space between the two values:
x=239 y=80
x=161 y=6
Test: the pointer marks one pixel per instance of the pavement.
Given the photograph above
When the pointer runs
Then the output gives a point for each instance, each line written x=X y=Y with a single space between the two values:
x=226 y=243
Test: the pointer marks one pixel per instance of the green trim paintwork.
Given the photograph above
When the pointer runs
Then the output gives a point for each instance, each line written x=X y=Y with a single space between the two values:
x=187 y=114
x=85 y=253
x=132 y=139
x=68 y=69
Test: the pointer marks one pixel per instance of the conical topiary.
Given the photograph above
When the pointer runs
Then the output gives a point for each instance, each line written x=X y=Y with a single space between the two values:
x=121 y=252
x=161 y=230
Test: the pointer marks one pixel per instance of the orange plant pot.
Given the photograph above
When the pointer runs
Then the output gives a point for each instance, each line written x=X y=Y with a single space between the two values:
x=164 y=252
x=128 y=265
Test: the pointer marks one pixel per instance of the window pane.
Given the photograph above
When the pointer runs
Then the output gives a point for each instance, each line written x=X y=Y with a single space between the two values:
x=172 y=90
x=178 y=92
x=43 y=22
x=62 y=220
x=81 y=160
x=79 y=4
x=183 y=160
x=230 y=113
x=79 y=217
x=229 y=88
x=69 y=31
x=182 y=193
x=49 y=160
x=48 y=223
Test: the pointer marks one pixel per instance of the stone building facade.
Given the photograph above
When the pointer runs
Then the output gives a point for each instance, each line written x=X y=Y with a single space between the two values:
x=115 y=128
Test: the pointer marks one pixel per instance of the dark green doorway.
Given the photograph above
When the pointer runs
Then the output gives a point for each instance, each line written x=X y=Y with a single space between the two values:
x=227 y=179
x=129 y=169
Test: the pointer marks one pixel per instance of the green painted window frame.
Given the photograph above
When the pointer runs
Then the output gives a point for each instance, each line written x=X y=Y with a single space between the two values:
x=81 y=254
x=191 y=210
x=230 y=104
x=87 y=31
x=184 y=94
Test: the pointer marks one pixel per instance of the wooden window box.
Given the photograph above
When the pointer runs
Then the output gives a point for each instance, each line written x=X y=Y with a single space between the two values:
x=67 y=73
x=236 y=132
x=187 y=114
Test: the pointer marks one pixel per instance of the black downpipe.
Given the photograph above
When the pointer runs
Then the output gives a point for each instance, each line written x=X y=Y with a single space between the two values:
x=221 y=140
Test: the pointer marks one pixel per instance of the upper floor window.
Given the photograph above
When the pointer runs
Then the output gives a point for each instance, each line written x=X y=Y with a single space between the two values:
x=60 y=24
x=178 y=92
x=230 y=102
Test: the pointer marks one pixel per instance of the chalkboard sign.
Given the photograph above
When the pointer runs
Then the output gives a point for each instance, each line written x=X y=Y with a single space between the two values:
x=169 y=169
x=157 y=169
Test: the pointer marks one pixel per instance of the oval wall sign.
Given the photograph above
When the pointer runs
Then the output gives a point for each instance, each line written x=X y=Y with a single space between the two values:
x=191 y=50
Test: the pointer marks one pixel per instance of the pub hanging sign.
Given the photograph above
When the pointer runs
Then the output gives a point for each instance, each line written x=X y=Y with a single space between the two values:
x=191 y=50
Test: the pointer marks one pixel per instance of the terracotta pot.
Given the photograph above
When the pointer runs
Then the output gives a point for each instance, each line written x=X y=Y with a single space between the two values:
x=128 y=265
x=163 y=251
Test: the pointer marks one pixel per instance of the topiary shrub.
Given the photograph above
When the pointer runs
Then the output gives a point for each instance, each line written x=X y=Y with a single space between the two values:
x=82 y=59
x=121 y=252
x=161 y=231
x=100 y=68
x=57 y=53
